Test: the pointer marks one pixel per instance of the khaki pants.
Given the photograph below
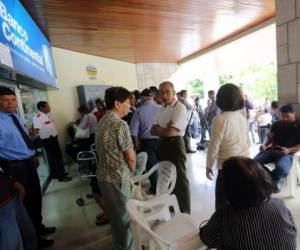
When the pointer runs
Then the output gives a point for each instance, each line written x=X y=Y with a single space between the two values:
x=172 y=149
x=115 y=199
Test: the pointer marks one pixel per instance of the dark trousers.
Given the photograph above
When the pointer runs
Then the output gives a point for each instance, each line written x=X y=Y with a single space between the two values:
x=25 y=172
x=283 y=163
x=172 y=149
x=187 y=141
x=219 y=191
x=150 y=147
x=54 y=156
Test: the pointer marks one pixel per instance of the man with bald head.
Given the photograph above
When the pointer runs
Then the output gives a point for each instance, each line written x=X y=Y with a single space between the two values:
x=170 y=125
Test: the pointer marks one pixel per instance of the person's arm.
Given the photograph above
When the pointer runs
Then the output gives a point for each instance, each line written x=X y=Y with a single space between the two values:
x=131 y=159
x=269 y=141
x=134 y=128
x=126 y=146
x=216 y=138
x=84 y=122
x=163 y=132
x=210 y=232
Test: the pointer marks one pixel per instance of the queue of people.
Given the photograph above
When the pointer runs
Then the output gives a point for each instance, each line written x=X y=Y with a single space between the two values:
x=157 y=122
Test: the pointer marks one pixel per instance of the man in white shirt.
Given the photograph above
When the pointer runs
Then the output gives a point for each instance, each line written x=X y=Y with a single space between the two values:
x=170 y=125
x=45 y=126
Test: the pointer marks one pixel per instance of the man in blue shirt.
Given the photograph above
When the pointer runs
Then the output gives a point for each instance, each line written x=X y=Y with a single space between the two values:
x=140 y=129
x=17 y=159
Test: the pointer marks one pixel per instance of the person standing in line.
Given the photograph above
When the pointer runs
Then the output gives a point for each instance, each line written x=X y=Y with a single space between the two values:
x=229 y=135
x=183 y=95
x=46 y=129
x=117 y=161
x=170 y=125
x=274 y=111
x=140 y=128
x=17 y=159
x=211 y=110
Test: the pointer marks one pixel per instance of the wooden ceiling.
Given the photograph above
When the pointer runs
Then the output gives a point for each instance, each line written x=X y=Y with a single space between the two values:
x=141 y=31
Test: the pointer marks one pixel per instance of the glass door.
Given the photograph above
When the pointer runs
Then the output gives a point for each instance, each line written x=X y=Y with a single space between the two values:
x=28 y=102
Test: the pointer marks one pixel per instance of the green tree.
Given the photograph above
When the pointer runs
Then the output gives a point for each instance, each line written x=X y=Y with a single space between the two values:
x=257 y=81
x=195 y=87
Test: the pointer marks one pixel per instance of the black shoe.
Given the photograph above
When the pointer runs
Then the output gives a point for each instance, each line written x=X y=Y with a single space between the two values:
x=278 y=185
x=99 y=216
x=65 y=179
x=102 y=221
x=47 y=230
x=189 y=151
x=44 y=243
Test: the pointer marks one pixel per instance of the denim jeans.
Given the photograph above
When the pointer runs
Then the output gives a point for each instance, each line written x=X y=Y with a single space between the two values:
x=283 y=163
x=16 y=229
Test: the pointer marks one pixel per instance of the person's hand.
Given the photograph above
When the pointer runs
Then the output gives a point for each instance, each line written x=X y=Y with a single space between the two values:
x=262 y=147
x=209 y=173
x=35 y=162
x=284 y=150
x=20 y=189
x=137 y=144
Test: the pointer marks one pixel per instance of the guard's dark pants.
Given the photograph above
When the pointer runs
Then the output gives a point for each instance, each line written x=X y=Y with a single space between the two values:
x=26 y=172
x=150 y=147
x=54 y=156
x=172 y=149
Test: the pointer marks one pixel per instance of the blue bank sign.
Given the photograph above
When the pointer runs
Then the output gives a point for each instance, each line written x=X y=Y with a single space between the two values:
x=23 y=47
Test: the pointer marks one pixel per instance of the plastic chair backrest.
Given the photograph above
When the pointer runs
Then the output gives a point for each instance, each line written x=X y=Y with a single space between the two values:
x=166 y=178
x=141 y=161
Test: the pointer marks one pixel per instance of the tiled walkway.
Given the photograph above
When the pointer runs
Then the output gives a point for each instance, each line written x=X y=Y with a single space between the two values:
x=76 y=227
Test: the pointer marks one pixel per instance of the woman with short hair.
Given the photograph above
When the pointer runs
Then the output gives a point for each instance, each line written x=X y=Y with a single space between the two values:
x=229 y=134
x=117 y=161
x=251 y=219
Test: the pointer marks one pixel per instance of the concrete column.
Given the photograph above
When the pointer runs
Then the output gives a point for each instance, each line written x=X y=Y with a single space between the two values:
x=288 y=51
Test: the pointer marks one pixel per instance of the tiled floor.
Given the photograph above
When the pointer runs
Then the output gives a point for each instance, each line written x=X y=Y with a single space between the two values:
x=76 y=227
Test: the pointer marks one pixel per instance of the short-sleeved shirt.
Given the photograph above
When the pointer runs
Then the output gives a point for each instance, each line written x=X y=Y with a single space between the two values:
x=286 y=134
x=89 y=121
x=143 y=119
x=112 y=140
x=12 y=145
x=45 y=124
x=175 y=115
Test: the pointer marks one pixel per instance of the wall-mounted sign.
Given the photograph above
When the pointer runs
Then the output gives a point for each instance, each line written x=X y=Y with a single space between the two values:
x=23 y=47
x=91 y=71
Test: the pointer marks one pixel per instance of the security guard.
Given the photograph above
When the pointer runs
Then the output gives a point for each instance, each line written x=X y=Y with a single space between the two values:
x=47 y=131
x=17 y=159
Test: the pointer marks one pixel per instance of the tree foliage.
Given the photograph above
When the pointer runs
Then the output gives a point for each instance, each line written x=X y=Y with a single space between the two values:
x=195 y=87
x=257 y=81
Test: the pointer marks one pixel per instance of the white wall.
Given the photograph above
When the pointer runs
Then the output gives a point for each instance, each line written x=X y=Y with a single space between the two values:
x=70 y=68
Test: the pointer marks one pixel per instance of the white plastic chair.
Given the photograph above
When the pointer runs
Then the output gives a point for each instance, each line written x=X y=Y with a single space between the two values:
x=181 y=232
x=165 y=185
x=294 y=176
x=141 y=162
x=166 y=177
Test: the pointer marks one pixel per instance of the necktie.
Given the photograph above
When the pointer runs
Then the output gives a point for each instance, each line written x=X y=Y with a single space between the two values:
x=24 y=135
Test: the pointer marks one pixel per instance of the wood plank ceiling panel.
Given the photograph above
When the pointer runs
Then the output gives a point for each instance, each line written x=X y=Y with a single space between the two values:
x=141 y=31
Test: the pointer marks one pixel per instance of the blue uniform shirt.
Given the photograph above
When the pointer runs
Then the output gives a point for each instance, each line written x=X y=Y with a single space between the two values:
x=143 y=120
x=12 y=145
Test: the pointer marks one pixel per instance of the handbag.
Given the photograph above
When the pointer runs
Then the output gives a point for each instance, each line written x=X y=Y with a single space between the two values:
x=83 y=133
